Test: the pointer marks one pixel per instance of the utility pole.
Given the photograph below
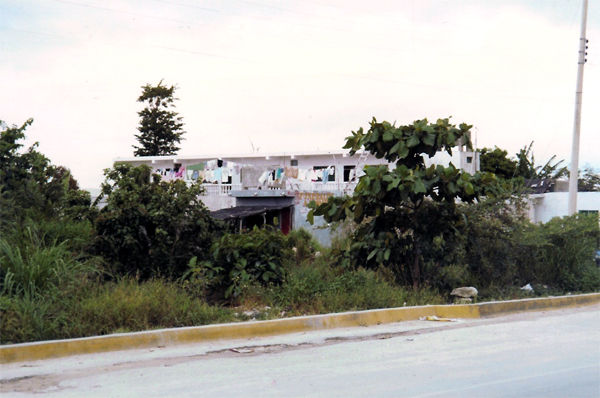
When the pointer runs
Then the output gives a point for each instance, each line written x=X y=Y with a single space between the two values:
x=577 y=125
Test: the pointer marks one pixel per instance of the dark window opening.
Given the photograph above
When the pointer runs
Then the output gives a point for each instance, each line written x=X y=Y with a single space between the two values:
x=348 y=173
x=469 y=159
x=294 y=162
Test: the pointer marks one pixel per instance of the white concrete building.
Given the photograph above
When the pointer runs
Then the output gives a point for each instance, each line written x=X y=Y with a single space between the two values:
x=277 y=184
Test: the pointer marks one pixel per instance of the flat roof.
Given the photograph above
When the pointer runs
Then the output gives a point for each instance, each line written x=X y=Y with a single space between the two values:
x=255 y=155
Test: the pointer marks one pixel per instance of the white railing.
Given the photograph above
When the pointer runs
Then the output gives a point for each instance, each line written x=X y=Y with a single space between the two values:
x=220 y=189
x=316 y=186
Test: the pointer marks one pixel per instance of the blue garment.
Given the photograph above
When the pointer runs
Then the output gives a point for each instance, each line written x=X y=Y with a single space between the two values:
x=325 y=176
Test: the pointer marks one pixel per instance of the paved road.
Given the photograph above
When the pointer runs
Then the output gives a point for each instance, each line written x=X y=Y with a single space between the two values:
x=542 y=354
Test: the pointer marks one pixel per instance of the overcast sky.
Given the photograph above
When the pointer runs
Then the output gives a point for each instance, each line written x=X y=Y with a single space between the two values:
x=294 y=75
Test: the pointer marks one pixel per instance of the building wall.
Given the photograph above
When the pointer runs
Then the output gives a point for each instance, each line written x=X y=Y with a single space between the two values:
x=555 y=204
x=220 y=196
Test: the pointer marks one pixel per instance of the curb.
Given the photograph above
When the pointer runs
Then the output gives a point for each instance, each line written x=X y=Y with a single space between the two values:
x=170 y=337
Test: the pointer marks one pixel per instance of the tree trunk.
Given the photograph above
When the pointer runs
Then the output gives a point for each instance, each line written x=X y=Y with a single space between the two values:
x=416 y=272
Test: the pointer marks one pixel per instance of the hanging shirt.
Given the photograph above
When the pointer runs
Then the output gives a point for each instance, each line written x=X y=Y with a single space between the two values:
x=263 y=177
x=325 y=175
x=224 y=174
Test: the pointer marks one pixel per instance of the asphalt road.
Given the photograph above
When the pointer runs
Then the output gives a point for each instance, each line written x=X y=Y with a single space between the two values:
x=541 y=354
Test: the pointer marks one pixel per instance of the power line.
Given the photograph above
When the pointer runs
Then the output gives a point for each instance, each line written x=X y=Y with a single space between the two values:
x=358 y=76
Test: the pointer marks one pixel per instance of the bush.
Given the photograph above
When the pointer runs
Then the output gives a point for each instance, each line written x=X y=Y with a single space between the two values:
x=303 y=244
x=567 y=258
x=237 y=260
x=151 y=227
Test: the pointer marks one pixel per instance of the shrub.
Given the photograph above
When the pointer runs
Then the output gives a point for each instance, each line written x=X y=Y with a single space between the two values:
x=303 y=244
x=151 y=227
x=567 y=260
x=240 y=259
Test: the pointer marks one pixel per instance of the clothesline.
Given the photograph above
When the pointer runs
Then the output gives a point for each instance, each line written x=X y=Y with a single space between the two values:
x=221 y=171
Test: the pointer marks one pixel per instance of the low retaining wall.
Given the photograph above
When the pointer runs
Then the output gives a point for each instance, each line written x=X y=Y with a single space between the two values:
x=170 y=337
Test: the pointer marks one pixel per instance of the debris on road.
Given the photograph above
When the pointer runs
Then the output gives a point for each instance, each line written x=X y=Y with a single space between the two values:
x=435 y=318
x=527 y=288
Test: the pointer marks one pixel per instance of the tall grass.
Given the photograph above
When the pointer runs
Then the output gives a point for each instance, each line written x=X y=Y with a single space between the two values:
x=316 y=288
x=93 y=308
x=33 y=265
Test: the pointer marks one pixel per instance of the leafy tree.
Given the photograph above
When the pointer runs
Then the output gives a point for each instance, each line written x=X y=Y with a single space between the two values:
x=589 y=181
x=406 y=216
x=526 y=167
x=30 y=186
x=160 y=128
x=497 y=161
x=152 y=227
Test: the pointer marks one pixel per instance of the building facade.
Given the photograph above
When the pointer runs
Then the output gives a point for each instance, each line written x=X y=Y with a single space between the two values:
x=248 y=188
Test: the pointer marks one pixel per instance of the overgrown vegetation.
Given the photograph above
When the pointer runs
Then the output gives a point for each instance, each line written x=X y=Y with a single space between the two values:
x=153 y=258
x=151 y=227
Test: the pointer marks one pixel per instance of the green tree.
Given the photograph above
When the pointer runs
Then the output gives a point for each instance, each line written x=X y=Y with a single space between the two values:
x=151 y=227
x=406 y=216
x=589 y=181
x=497 y=161
x=160 y=127
x=527 y=168
x=30 y=186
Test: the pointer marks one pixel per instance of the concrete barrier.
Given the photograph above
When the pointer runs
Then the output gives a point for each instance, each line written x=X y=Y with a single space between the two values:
x=170 y=337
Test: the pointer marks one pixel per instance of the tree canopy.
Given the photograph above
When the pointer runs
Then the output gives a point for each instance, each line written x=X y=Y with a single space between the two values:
x=589 y=181
x=31 y=187
x=523 y=166
x=401 y=211
x=151 y=227
x=160 y=127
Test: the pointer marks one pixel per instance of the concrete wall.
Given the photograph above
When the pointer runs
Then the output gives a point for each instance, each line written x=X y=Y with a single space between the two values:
x=555 y=204
x=218 y=202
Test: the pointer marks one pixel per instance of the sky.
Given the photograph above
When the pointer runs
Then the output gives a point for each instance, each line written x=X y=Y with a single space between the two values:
x=295 y=75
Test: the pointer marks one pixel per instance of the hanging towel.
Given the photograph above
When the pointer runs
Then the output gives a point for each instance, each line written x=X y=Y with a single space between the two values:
x=325 y=175
x=263 y=177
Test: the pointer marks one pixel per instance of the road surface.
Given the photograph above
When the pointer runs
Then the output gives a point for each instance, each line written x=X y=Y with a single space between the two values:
x=539 y=354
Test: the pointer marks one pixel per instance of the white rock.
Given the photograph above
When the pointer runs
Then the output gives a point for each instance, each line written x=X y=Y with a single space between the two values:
x=465 y=292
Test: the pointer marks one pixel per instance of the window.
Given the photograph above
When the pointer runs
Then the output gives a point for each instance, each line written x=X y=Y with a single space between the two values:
x=294 y=162
x=319 y=170
x=348 y=173
x=469 y=159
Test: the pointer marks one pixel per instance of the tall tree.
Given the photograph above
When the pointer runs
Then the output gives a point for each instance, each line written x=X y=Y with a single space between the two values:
x=160 y=127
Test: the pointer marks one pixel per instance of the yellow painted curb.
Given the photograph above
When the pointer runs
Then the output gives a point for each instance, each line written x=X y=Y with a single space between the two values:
x=170 y=337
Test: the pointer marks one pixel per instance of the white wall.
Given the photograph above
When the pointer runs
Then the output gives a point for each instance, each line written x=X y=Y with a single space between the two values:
x=555 y=204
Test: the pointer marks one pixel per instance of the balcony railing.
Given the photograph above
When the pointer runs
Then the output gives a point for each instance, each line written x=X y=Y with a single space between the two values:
x=220 y=189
